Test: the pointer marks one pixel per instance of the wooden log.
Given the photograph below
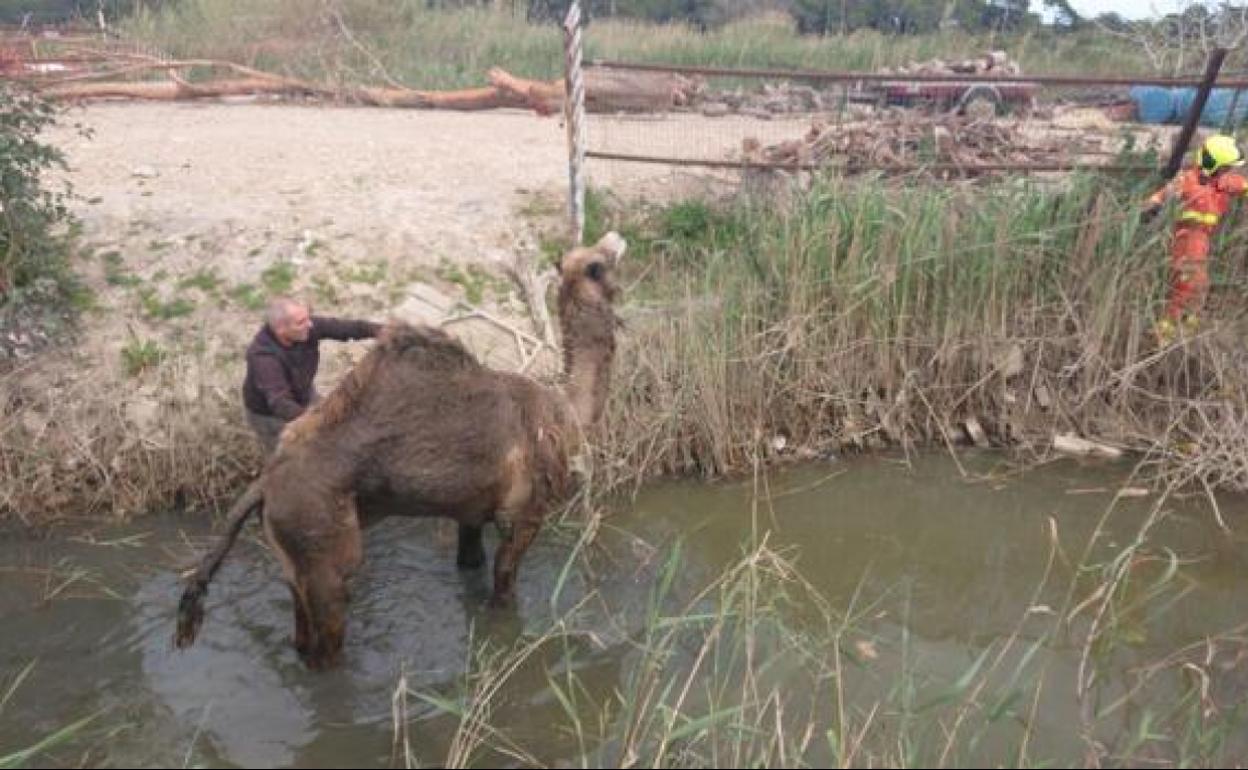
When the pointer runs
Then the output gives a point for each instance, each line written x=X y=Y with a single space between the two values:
x=1069 y=443
x=173 y=89
x=605 y=90
x=254 y=81
x=176 y=88
x=543 y=97
x=487 y=98
x=976 y=432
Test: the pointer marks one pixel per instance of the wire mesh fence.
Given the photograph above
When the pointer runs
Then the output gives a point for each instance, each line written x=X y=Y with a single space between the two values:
x=36 y=55
x=965 y=119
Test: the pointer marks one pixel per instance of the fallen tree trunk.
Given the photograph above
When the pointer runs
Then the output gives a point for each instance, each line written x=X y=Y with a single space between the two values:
x=465 y=99
x=615 y=90
x=171 y=90
x=542 y=96
x=176 y=89
x=606 y=90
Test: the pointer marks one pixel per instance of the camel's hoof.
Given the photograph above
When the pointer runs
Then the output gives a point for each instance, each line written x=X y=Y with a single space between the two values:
x=320 y=661
x=310 y=661
x=497 y=602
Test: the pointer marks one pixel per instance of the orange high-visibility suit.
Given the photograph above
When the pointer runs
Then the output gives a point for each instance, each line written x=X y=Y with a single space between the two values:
x=1205 y=200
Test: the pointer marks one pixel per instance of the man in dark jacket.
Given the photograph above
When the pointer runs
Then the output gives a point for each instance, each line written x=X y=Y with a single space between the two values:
x=281 y=364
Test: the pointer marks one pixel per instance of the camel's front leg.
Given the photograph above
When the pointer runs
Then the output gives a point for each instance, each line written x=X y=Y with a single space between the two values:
x=516 y=540
x=471 y=553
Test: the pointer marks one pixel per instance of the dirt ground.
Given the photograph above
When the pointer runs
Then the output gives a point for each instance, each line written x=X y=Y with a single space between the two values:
x=418 y=187
x=238 y=187
x=192 y=213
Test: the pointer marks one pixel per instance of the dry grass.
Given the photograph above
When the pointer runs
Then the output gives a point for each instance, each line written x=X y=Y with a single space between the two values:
x=867 y=314
x=116 y=445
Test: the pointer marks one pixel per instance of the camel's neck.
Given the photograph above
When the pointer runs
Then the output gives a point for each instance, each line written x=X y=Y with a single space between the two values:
x=588 y=349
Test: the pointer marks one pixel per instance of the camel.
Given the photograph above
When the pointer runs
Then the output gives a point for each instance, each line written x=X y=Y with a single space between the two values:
x=420 y=428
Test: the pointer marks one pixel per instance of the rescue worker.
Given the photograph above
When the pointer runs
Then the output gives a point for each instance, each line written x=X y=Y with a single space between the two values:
x=1204 y=192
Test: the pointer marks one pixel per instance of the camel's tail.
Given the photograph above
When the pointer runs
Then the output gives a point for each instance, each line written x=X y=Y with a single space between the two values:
x=191 y=607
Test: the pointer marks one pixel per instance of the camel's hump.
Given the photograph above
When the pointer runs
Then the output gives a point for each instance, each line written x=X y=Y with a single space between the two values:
x=432 y=345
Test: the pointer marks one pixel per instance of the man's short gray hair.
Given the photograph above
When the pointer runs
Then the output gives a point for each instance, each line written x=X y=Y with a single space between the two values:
x=278 y=309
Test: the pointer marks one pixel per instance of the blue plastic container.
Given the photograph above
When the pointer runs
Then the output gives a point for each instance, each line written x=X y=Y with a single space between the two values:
x=1157 y=104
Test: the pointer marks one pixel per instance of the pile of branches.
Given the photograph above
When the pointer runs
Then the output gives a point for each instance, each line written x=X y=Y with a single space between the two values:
x=996 y=63
x=901 y=138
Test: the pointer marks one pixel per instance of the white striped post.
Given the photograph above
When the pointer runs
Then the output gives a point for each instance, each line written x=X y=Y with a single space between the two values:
x=574 y=119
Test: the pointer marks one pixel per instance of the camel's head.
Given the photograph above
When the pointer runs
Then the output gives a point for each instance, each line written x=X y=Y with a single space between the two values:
x=586 y=272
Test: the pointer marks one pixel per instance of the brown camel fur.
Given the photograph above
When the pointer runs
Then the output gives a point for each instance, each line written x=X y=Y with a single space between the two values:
x=420 y=428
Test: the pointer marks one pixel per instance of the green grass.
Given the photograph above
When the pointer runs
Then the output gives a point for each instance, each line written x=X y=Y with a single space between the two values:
x=315 y=247
x=371 y=273
x=81 y=297
x=279 y=278
x=540 y=207
x=477 y=283
x=205 y=279
x=553 y=238
x=53 y=740
x=115 y=273
x=22 y=758
x=248 y=295
x=139 y=355
x=157 y=307
x=425 y=48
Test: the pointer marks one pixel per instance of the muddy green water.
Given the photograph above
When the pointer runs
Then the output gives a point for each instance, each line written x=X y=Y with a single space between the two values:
x=948 y=565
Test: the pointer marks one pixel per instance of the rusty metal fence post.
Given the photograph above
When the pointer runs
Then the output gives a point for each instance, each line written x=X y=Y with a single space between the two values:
x=574 y=117
x=1212 y=67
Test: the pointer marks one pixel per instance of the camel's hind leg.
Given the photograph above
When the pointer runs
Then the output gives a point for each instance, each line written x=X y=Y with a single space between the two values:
x=302 y=639
x=327 y=615
x=298 y=596
x=317 y=562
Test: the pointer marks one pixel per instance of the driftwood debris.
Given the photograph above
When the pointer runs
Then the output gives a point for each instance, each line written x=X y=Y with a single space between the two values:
x=1069 y=443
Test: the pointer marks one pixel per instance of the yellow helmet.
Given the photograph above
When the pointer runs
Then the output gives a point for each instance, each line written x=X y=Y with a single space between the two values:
x=1219 y=151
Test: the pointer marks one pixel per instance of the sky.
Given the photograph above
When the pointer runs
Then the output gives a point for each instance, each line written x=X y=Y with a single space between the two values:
x=1130 y=9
